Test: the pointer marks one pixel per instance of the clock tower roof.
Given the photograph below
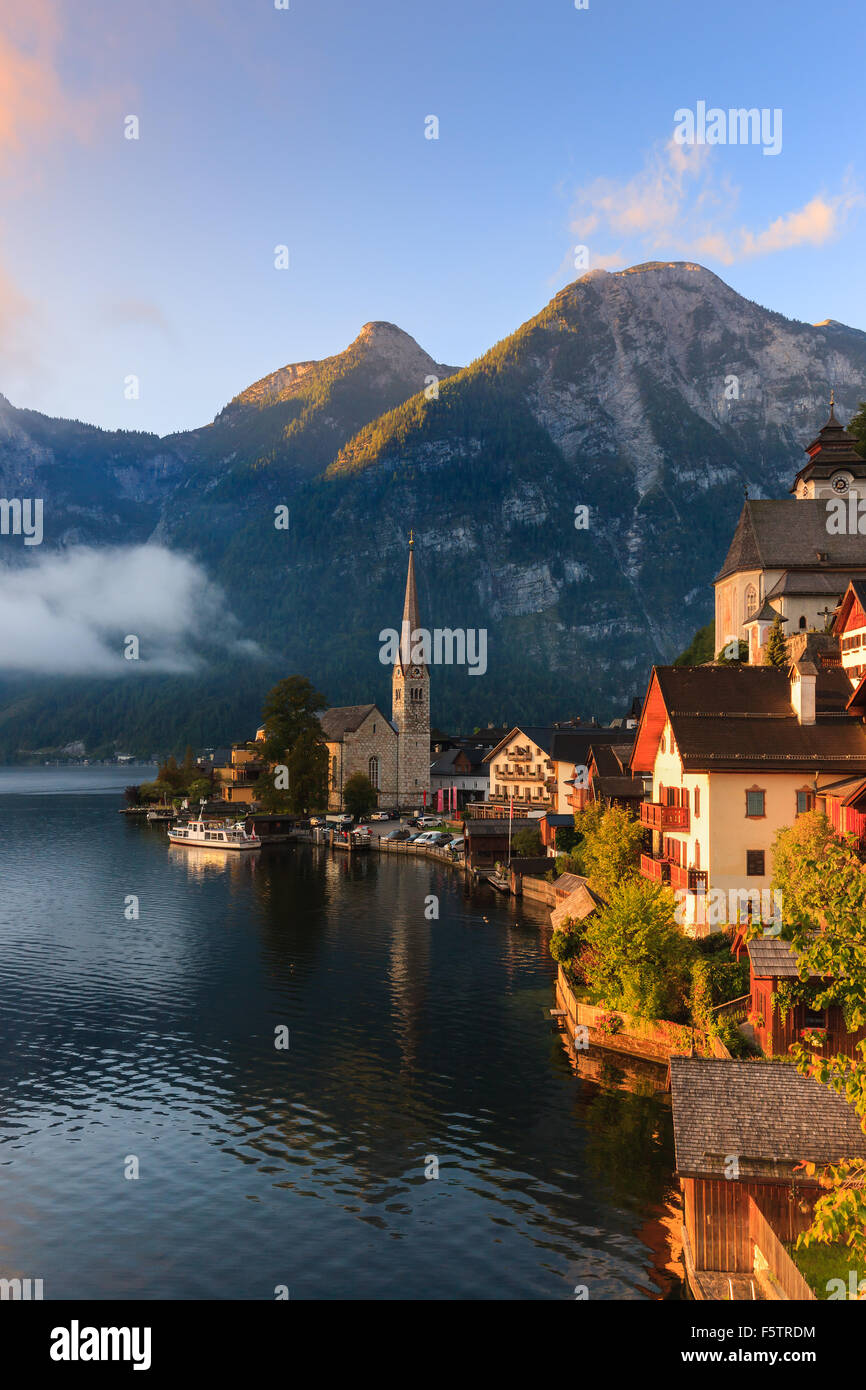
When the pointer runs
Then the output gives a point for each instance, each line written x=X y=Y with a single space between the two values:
x=832 y=448
x=410 y=606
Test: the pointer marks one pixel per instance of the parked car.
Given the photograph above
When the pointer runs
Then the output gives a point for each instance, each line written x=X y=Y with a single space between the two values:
x=399 y=835
x=429 y=820
x=457 y=843
x=380 y=815
x=317 y=820
x=440 y=838
x=418 y=839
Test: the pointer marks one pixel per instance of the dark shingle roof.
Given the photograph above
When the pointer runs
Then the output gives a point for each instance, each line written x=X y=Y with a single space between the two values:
x=741 y=716
x=787 y=534
x=488 y=827
x=344 y=719
x=765 y=1113
x=573 y=745
x=770 y=956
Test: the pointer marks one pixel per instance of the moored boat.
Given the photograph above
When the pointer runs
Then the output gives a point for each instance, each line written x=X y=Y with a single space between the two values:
x=214 y=834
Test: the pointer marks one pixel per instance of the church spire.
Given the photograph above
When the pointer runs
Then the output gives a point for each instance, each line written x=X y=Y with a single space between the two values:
x=410 y=605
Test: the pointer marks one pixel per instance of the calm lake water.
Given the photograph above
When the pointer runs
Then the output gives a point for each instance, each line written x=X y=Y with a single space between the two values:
x=408 y=1039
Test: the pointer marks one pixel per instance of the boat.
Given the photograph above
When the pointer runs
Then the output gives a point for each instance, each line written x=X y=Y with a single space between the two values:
x=214 y=834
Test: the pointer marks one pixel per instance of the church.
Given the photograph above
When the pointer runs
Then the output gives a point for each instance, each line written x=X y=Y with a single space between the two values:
x=394 y=753
x=788 y=556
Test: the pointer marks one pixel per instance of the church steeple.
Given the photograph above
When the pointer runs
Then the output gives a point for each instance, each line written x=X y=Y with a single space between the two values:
x=410 y=693
x=834 y=462
x=410 y=605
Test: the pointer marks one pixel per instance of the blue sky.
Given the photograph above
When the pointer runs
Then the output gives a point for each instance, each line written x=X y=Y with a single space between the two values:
x=306 y=127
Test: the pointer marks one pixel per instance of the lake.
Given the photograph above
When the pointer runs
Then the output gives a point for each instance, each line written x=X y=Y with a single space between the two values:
x=417 y=1044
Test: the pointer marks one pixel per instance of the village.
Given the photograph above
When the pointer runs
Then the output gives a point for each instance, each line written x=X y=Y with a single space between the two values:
x=701 y=857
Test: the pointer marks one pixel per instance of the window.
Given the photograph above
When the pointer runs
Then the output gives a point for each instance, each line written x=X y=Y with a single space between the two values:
x=815 y=1018
x=751 y=600
x=697 y=854
x=697 y=801
x=754 y=863
x=374 y=772
x=755 y=804
x=334 y=771
x=802 y=622
x=805 y=802
x=416 y=694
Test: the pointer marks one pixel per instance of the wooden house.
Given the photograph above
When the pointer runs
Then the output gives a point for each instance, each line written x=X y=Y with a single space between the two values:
x=772 y=962
x=740 y=1131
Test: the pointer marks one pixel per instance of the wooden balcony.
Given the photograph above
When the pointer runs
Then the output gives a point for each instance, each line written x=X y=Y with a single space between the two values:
x=658 y=817
x=659 y=870
x=679 y=876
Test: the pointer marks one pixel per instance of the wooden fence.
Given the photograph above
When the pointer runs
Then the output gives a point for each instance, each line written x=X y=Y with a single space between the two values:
x=779 y=1262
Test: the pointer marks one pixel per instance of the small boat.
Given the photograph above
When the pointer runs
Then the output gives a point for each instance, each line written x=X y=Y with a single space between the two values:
x=214 y=834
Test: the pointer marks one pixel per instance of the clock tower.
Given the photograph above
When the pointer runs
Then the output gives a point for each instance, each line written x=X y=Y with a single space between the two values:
x=410 y=696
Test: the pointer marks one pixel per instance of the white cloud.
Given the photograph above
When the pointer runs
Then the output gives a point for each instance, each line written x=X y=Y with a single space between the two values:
x=68 y=613
x=678 y=204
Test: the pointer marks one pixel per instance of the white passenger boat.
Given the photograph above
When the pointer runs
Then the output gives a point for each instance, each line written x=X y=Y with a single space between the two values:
x=214 y=834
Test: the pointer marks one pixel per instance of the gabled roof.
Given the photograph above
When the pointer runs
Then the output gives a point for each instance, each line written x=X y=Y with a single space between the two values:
x=580 y=903
x=788 y=534
x=852 y=606
x=575 y=745
x=345 y=719
x=770 y=956
x=765 y=1113
x=541 y=735
x=736 y=716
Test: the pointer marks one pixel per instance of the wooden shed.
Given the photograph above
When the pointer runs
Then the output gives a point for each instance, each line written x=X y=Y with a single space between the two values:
x=740 y=1130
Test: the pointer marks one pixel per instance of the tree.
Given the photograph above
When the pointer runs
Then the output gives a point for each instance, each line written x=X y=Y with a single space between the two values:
x=290 y=709
x=776 y=650
x=199 y=790
x=634 y=956
x=701 y=647
x=308 y=772
x=610 y=849
x=359 y=795
x=857 y=427
x=794 y=848
x=527 y=842
x=826 y=919
x=132 y=796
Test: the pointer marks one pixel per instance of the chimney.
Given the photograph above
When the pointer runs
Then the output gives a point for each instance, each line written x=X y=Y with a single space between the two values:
x=804 y=675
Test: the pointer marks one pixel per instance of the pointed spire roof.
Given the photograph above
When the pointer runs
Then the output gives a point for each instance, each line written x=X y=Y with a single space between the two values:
x=411 y=621
x=410 y=605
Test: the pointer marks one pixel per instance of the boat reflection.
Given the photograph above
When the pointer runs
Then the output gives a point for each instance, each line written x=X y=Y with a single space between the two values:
x=201 y=862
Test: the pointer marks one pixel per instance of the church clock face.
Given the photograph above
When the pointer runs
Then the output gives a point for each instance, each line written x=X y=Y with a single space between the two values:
x=415 y=671
x=840 y=484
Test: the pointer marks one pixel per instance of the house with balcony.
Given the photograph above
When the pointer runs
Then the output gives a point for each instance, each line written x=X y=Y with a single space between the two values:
x=236 y=778
x=849 y=626
x=522 y=770
x=609 y=780
x=735 y=753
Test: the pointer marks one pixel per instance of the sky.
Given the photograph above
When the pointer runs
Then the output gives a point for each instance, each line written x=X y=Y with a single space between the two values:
x=306 y=127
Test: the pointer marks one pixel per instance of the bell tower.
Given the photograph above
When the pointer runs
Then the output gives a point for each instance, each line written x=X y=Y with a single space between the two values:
x=410 y=701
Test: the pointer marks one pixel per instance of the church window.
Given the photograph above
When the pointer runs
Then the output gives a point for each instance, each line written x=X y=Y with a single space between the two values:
x=802 y=622
x=374 y=773
x=416 y=694
x=334 y=771
x=751 y=600
x=398 y=695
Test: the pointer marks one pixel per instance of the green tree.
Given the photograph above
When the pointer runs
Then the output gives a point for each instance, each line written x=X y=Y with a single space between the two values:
x=308 y=772
x=826 y=920
x=359 y=795
x=610 y=849
x=527 y=842
x=199 y=790
x=701 y=648
x=290 y=709
x=776 y=650
x=857 y=427
x=794 y=849
x=635 y=957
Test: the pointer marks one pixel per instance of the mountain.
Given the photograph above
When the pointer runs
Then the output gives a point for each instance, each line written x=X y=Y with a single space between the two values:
x=652 y=396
